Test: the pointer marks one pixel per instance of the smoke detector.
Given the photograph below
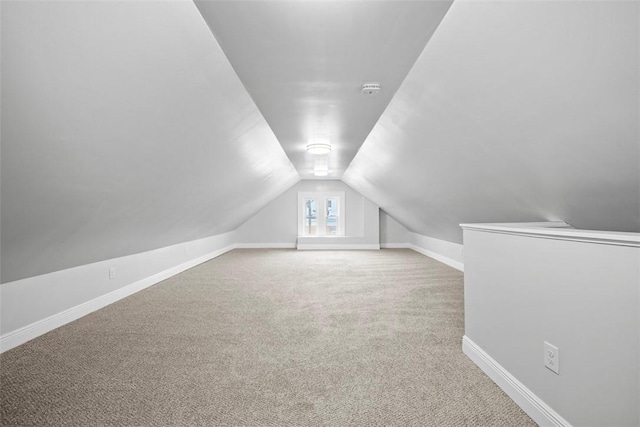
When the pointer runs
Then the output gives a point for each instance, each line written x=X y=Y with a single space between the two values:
x=370 y=89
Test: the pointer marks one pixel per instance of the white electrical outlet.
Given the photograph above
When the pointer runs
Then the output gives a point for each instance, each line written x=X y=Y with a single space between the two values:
x=552 y=357
x=112 y=273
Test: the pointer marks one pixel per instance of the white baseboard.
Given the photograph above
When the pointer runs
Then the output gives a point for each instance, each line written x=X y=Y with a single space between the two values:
x=22 y=335
x=539 y=411
x=326 y=247
x=265 y=245
x=438 y=257
x=395 y=245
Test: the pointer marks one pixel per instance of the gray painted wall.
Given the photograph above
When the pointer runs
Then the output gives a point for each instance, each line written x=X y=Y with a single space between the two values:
x=278 y=221
x=391 y=231
x=124 y=129
x=582 y=297
x=36 y=305
x=515 y=111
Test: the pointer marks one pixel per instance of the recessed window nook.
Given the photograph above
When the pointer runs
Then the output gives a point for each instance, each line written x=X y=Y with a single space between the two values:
x=321 y=214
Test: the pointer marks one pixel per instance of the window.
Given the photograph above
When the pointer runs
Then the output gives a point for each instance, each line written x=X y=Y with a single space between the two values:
x=310 y=217
x=321 y=214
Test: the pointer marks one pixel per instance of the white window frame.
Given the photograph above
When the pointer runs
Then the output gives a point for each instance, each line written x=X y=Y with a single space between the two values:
x=321 y=203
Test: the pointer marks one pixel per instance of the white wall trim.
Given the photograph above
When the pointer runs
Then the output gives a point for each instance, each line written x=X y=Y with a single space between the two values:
x=22 y=335
x=557 y=231
x=427 y=252
x=325 y=247
x=265 y=245
x=438 y=257
x=395 y=246
x=539 y=411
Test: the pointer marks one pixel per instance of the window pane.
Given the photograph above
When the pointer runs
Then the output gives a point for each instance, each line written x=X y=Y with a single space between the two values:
x=310 y=217
x=332 y=216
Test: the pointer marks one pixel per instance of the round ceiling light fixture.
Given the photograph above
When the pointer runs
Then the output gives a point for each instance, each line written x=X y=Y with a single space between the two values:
x=319 y=147
x=321 y=167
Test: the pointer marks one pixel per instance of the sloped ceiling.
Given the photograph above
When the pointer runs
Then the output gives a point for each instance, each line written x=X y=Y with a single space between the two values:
x=304 y=64
x=124 y=129
x=515 y=111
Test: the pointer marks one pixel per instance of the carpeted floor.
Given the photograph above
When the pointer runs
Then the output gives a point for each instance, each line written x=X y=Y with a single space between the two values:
x=265 y=337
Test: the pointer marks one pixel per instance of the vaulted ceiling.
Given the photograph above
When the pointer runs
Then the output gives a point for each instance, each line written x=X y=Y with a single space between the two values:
x=129 y=125
x=514 y=111
x=489 y=111
x=304 y=64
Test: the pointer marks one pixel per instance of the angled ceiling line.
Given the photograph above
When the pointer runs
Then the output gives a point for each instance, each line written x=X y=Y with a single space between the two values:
x=304 y=64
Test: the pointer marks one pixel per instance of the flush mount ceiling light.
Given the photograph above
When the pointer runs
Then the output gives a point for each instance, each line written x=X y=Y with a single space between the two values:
x=321 y=167
x=319 y=147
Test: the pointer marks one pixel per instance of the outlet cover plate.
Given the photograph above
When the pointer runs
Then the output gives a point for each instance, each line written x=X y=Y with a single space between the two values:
x=552 y=357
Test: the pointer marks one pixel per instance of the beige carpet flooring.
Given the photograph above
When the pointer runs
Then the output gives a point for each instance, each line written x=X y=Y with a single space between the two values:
x=265 y=338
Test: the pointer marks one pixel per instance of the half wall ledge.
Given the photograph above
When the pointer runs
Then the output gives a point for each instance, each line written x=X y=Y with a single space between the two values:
x=530 y=285
x=559 y=230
